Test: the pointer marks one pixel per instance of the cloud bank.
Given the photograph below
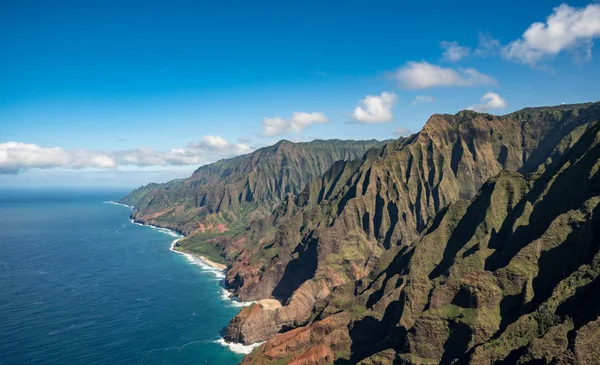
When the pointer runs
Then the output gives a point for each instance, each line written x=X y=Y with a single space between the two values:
x=375 y=108
x=17 y=156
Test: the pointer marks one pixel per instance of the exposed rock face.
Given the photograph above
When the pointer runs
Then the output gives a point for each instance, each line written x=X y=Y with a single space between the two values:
x=511 y=276
x=336 y=230
x=316 y=344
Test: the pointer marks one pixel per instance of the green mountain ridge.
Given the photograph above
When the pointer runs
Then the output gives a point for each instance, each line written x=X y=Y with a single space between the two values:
x=336 y=230
x=219 y=199
x=472 y=241
x=509 y=277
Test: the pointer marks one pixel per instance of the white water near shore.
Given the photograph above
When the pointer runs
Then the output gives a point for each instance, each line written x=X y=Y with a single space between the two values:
x=121 y=204
x=238 y=347
x=226 y=295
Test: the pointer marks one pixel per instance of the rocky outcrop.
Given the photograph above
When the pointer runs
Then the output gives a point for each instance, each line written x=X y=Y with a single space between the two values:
x=509 y=277
x=255 y=324
x=336 y=230
x=317 y=344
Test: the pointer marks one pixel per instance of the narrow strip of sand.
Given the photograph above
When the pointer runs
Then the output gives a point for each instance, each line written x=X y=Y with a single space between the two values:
x=205 y=260
x=269 y=304
x=211 y=263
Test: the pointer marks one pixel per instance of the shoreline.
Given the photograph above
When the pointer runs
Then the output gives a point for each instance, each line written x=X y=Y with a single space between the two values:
x=205 y=260
x=190 y=256
x=207 y=265
x=214 y=265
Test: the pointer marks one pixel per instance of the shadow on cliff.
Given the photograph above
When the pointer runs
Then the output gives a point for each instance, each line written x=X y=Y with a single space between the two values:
x=457 y=344
x=300 y=269
x=563 y=194
x=464 y=231
x=370 y=335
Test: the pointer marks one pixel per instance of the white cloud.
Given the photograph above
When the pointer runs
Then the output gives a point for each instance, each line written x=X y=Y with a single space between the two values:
x=375 y=109
x=216 y=142
x=302 y=120
x=299 y=121
x=423 y=75
x=488 y=102
x=274 y=126
x=487 y=46
x=401 y=132
x=421 y=99
x=453 y=51
x=17 y=156
x=567 y=28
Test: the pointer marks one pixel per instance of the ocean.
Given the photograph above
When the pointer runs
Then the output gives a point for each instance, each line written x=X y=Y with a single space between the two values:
x=81 y=284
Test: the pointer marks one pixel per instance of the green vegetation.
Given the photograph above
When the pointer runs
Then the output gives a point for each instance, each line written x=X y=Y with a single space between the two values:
x=477 y=241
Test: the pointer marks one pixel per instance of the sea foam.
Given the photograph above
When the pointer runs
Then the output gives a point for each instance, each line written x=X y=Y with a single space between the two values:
x=219 y=274
x=238 y=347
x=226 y=295
x=121 y=204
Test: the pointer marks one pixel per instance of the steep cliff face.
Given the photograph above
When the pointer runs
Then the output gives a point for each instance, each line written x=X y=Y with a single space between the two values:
x=219 y=199
x=510 y=276
x=336 y=230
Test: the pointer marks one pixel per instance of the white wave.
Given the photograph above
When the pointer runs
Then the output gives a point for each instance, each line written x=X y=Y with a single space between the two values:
x=236 y=303
x=160 y=229
x=227 y=295
x=238 y=347
x=121 y=204
x=218 y=273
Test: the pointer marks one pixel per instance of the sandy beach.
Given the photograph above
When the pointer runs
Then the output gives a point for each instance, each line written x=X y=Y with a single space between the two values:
x=210 y=263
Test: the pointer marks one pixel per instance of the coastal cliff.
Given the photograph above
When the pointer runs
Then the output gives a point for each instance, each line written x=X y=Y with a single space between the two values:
x=220 y=199
x=508 y=277
x=338 y=227
x=472 y=240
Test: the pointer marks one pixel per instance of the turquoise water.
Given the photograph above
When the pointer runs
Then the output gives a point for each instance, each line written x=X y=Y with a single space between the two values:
x=80 y=284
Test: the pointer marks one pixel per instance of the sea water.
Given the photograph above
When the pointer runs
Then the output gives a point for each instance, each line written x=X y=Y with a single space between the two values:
x=81 y=284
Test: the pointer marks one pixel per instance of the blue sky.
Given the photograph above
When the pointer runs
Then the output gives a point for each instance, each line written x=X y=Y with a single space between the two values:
x=118 y=93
